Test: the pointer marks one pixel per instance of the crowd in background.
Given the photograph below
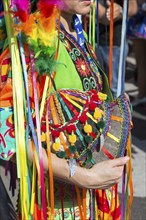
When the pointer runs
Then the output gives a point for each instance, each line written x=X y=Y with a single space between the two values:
x=136 y=35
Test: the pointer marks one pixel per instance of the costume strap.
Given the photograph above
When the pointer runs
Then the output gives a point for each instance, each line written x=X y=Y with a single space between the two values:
x=79 y=30
x=121 y=71
x=111 y=43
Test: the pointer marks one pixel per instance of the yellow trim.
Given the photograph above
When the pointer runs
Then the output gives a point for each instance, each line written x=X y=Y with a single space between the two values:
x=113 y=137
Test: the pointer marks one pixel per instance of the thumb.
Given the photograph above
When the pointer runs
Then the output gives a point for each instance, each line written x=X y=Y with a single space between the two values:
x=120 y=161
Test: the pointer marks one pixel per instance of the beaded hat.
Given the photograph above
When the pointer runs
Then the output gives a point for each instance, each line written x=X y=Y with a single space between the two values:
x=87 y=127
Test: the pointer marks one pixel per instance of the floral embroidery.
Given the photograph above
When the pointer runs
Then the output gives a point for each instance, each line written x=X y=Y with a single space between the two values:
x=84 y=64
x=92 y=51
x=82 y=67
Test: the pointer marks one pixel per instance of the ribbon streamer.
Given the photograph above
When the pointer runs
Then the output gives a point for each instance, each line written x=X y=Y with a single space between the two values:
x=121 y=72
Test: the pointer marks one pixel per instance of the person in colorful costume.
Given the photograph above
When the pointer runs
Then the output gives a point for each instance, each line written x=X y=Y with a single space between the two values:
x=76 y=68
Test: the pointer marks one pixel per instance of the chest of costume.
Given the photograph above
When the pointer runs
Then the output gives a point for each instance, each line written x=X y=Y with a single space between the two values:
x=84 y=65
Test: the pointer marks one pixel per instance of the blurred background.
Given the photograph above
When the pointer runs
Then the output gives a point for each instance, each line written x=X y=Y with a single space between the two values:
x=138 y=137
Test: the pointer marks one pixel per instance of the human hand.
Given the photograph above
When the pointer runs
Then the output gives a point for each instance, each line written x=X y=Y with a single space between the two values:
x=103 y=175
x=117 y=11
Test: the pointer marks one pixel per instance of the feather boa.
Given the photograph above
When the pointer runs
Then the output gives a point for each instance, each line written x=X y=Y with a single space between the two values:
x=22 y=9
x=46 y=6
x=45 y=9
x=39 y=29
x=21 y=5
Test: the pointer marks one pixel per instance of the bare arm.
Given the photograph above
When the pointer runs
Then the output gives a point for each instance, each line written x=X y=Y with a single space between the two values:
x=102 y=175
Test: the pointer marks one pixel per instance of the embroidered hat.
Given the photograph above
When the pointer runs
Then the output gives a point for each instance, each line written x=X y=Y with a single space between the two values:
x=88 y=127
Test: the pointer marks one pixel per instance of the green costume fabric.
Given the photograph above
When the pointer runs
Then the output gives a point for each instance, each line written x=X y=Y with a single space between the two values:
x=66 y=74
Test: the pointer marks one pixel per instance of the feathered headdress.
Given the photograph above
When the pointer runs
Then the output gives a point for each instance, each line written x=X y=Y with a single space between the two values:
x=39 y=29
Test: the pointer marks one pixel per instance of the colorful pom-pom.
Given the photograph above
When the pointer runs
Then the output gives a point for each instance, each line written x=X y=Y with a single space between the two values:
x=56 y=146
x=87 y=128
x=43 y=137
x=43 y=128
x=88 y=139
x=102 y=96
x=95 y=97
x=71 y=128
x=97 y=114
x=61 y=154
x=92 y=106
x=101 y=124
x=55 y=133
x=93 y=91
x=83 y=118
x=72 y=138
x=72 y=149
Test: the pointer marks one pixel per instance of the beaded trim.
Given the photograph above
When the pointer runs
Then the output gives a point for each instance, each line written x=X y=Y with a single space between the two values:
x=80 y=122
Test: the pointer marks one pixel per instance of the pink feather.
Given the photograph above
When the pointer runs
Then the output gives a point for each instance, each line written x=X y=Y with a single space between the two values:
x=22 y=9
x=21 y=5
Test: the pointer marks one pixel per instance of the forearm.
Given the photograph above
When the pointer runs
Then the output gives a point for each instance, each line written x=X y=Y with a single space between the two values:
x=102 y=175
x=61 y=169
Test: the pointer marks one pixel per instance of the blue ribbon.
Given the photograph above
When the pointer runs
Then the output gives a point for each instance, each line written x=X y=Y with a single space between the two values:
x=121 y=72
x=79 y=30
